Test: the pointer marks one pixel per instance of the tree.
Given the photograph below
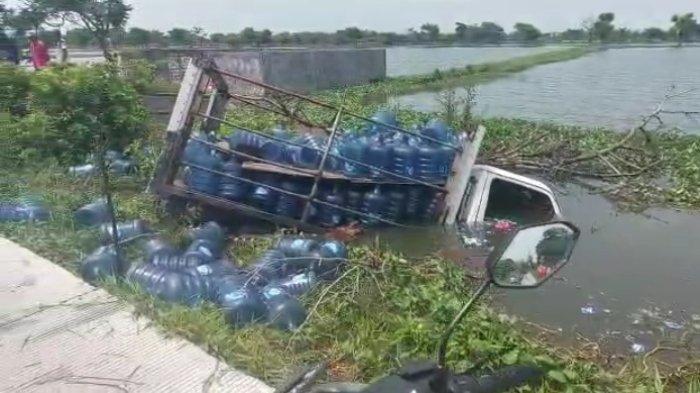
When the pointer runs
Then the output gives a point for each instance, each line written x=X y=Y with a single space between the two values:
x=684 y=27
x=217 y=38
x=138 y=37
x=654 y=34
x=31 y=17
x=490 y=32
x=79 y=37
x=199 y=35
x=180 y=37
x=573 y=35
x=461 y=30
x=100 y=17
x=603 y=27
x=526 y=32
x=249 y=36
x=432 y=31
x=265 y=37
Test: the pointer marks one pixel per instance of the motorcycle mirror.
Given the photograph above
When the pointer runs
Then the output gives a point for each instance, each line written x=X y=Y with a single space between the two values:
x=532 y=255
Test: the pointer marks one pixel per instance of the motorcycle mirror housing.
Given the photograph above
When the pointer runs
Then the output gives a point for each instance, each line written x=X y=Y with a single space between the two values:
x=532 y=255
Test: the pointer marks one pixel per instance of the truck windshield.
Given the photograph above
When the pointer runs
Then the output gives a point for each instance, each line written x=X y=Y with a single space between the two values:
x=517 y=203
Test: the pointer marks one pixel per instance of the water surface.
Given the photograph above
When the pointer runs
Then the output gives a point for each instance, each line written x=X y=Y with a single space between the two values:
x=612 y=88
x=402 y=61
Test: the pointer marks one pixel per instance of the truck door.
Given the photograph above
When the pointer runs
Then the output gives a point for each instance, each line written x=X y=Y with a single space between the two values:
x=507 y=196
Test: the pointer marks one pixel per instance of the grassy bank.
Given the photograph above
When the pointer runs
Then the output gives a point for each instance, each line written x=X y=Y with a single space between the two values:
x=381 y=313
x=469 y=75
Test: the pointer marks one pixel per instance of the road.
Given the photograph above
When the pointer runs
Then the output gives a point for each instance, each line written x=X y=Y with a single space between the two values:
x=59 y=334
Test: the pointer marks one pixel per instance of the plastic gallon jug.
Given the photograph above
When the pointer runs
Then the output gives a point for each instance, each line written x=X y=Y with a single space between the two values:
x=100 y=265
x=270 y=265
x=329 y=216
x=295 y=246
x=230 y=188
x=156 y=246
x=247 y=142
x=380 y=157
x=125 y=230
x=93 y=214
x=396 y=204
x=354 y=200
x=353 y=148
x=243 y=307
x=286 y=314
x=405 y=158
x=290 y=205
x=374 y=206
x=415 y=197
x=23 y=211
x=299 y=284
x=433 y=206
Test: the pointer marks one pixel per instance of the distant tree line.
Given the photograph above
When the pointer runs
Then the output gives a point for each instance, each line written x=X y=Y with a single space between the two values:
x=36 y=16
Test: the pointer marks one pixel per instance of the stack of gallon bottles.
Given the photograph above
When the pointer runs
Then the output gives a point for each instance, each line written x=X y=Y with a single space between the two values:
x=391 y=199
x=267 y=291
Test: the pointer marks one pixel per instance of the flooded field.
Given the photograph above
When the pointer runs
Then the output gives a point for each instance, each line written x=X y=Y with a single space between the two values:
x=402 y=61
x=632 y=279
x=611 y=88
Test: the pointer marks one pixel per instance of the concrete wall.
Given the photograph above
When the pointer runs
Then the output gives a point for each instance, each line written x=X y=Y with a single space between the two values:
x=309 y=70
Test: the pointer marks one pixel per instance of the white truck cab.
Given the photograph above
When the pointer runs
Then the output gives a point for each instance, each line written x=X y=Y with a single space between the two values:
x=494 y=193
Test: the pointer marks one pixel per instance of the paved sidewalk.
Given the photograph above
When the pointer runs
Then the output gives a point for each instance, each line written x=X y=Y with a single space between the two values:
x=59 y=334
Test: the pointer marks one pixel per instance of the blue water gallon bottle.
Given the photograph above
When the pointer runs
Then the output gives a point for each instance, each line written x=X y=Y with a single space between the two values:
x=229 y=187
x=374 y=207
x=380 y=157
x=396 y=204
x=355 y=149
x=405 y=158
x=415 y=199
x=329 y=216
x=291 y=205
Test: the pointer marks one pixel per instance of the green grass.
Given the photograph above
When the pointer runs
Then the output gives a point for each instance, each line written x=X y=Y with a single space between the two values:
x=382 y=312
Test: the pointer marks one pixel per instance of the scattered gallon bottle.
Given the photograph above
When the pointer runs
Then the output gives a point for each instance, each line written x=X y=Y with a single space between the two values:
x=94 y=213
x=231 y=188
x=300 y=284
x=23 y=211
x=374 y=206
x=156 y=247
x=100 y=265
x=173 y=286
x=294 y=246
x=211 y=231
x=122 y=167
x=180 y=262
x=329 y=216
x=87 y=170
x=285 y=313
x=125 y=230
x=243 y=306
x=270 y=265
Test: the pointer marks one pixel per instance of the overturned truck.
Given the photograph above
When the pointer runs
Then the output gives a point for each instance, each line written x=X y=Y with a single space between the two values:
x=328 y=167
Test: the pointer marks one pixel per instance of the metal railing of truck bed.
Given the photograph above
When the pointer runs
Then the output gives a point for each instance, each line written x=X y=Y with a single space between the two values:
x=202 y=74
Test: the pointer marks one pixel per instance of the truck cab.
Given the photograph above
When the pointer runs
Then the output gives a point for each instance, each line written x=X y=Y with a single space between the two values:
x=496 y=194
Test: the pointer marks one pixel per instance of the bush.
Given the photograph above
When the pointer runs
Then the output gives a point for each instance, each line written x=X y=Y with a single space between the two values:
x=26 y=138
x=14 y=88
x=85 y=104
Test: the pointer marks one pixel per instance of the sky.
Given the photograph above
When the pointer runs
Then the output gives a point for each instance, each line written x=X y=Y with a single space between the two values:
x=395 y=15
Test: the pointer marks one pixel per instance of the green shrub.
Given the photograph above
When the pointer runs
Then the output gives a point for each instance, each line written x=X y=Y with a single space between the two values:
x=26 y=139
x=85 y=104
x=14 y=88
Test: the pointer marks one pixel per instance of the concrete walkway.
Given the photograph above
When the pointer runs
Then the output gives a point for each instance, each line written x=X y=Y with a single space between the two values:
x=59 y=334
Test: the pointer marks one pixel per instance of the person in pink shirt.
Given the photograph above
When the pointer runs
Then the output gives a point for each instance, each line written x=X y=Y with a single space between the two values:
x=39 y=52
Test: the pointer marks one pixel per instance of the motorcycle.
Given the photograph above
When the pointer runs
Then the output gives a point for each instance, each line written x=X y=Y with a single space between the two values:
x=526 y=259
